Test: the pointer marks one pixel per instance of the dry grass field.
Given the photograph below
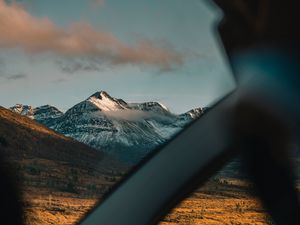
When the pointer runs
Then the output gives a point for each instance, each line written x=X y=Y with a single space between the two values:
x=57 y=208
x=218 y=202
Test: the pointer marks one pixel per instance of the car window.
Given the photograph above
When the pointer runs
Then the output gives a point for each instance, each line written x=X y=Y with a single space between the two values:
x=90 y=88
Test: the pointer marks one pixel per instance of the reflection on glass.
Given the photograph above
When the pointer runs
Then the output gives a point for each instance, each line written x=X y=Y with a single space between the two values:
x=99 y=85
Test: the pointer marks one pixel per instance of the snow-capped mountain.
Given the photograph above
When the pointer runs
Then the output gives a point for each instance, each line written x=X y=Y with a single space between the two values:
x=127 y=131
x=24 y=110
x=43 y=114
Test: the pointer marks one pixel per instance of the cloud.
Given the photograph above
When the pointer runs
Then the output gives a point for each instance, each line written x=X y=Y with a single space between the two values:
x=137 y=115
x=2 y=65
x=59 y=80
x=19 y=29
x=18 y=76
x=74 y=65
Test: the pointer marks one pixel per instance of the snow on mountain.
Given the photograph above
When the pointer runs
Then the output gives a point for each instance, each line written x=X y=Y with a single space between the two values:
x=46 y=114
x=150 y=107
x=24 y=110
x=128 y=131
x=41 y=114
x=105 y=102
x=194 y=113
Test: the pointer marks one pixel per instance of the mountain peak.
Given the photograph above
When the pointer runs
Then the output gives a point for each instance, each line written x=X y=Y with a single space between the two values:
x=21 y=106
x=24 y=110
x=41 y=114
x=101 y=95
x=103 y=101
x=45 y=107
x=150 y=106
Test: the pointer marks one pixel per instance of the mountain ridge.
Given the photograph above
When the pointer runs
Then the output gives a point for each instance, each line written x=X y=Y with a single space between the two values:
x=127 y=131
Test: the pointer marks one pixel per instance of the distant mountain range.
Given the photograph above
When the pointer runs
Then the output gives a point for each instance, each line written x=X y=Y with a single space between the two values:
x=127 y=131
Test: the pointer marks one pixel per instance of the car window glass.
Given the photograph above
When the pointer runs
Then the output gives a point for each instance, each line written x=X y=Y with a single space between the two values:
x=90 y=88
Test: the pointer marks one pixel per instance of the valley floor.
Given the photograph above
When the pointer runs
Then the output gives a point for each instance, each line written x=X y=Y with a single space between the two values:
x=58 y=208
x=218 y=202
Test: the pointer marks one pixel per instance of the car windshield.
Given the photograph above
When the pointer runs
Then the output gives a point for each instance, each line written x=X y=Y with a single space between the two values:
x=89 y=88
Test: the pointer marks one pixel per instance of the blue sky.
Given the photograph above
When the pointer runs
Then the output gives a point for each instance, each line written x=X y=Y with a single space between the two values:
x=154 y=50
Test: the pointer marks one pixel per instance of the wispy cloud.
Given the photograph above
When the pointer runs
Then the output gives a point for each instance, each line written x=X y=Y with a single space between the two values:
x=6 y=76
x=59 y=80
x=74 y=65
x=18 y=76
x=137 y=115
x=19 y=29
x=2 y=66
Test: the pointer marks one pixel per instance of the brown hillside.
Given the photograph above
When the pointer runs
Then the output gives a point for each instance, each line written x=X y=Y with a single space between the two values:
x=23 y=138
x=53 y=172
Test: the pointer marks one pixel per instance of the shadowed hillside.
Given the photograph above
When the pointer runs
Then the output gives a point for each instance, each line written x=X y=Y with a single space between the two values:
x=23 y=138
x=52 y=171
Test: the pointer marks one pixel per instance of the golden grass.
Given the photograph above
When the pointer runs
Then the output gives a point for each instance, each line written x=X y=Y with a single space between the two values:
x=217 y=203
x=214 y=204
x=56 y=208
x=205 y=209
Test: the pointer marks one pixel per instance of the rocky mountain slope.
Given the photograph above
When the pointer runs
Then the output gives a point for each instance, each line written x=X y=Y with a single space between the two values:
x=43 y=114
x=127 y=131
